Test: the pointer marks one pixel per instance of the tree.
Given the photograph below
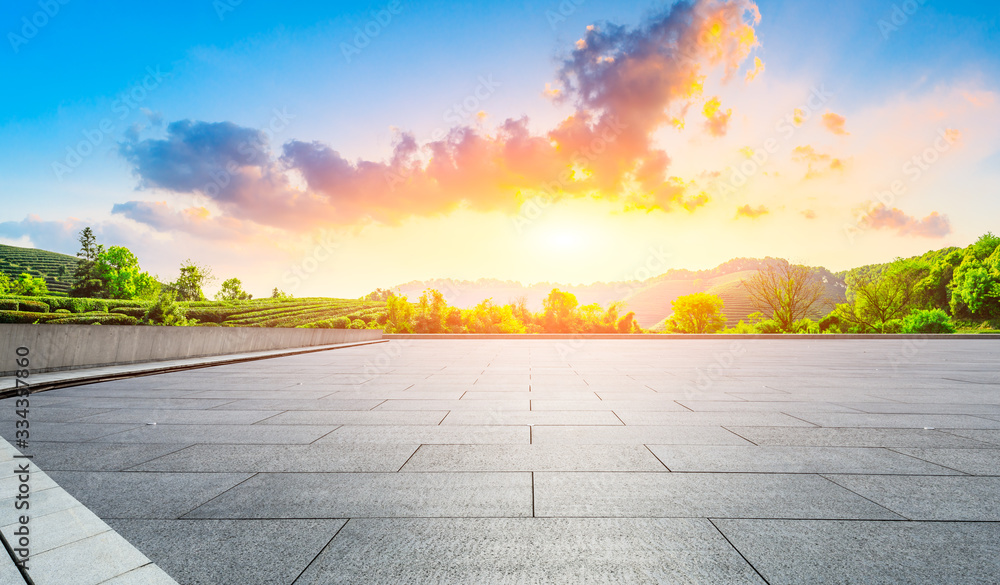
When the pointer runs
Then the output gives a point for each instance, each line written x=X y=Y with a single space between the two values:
x=5 y=284
x=29 y=286
x=431 y=312
x=377 y=295
x=398 y=316
x=975 y=286
x=232 y=290
x=788 y=292
x=86 y=281
x=280 y=294
x=697 y=313
x=879 y=295
x=121 y=278
x=191 y=280
x=627 y=324
x=560 y=314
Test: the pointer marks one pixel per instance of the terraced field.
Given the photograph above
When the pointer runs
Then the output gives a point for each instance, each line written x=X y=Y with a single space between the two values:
x=57 y=269
x=308 y=312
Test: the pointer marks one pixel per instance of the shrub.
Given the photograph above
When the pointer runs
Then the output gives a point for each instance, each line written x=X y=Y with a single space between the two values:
x=768 y=326
x=932 y=321
x=357 y=324
x=62 y=311
x=97 y=319
x=137 y=312
x=24 y=305
x=891 y=326
x=24 y=317
x=340 y=323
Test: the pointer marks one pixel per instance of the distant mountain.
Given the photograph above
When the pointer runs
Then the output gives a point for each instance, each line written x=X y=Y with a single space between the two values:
x=650 y=299
x=57 y=269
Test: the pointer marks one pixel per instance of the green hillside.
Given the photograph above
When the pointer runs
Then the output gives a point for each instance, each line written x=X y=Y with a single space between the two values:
x=308 y=312
x=57 y=269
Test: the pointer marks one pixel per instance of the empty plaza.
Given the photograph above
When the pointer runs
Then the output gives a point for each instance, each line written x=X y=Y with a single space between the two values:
x=726 y=461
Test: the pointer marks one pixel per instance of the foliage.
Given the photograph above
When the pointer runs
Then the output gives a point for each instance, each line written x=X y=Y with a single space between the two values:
x=431 y=313
x=96 y=318
x=86 y=280
x=193 y=277
x=398 y=315
x=165 y=311
x=280 y=294
x=879 y=295
x=786 y=291
x=5 y=283
x=377 y=295
x=697 y=313
x=16 y=304
x=118 y=270
x=928 y=321
x=560 y=315
x=976 y=281
x=24 y=317
x=29 y=286
x=232 y=290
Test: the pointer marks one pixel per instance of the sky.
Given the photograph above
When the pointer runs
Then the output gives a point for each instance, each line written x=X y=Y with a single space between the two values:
x=329 y=148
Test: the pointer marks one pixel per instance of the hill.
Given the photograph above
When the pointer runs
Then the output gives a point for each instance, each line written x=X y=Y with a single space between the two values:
x=57 y=269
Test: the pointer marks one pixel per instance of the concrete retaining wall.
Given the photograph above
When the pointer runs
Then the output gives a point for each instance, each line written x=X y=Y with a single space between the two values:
x=65 y=347
x=679 y=337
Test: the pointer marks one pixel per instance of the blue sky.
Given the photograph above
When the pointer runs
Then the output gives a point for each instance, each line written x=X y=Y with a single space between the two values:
x=265 y=60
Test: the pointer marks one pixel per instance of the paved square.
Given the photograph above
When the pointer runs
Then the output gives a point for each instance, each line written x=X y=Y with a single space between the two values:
x=547 y=461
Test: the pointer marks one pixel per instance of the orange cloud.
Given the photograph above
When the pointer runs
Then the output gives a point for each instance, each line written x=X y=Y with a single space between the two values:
x=818 y=163
x=751 y=212
x=934 y=225
x=758 y=68
x=624 y=85
x=835 y=123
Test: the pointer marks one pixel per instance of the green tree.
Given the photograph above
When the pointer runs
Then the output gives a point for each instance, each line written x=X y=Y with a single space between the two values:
x=232 y=290
x=86 y=281
x=5 y=284
x=188 y=286
x=118 y=270
x=975 y=287
x=166 y=311
x=29 y=286
x=880 y=295
x=560 y=314
x=787 y=292
x=697 y=313
x=280 y=294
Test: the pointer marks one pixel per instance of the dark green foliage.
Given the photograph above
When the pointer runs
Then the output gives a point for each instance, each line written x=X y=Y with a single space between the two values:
x=25 y=317
x=137 y=312
x=50 y=266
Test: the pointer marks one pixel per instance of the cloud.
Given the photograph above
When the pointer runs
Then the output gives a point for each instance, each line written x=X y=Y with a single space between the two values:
x=751 y=212
x=818 y=163
x=196 y=221
x=835 y=123
x=624 y=84
x=717 y=121
x=57 y=236
x=758 y=68
x=932 y=226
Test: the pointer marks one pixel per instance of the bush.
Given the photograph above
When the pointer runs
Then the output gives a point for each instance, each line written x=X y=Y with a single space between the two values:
x=24 y=317
x=137 y=312
x=62 y=311
x=891 y=326
x=768 y=326
x=340 y=323
x=357 y=324
x=96 y=318
x=25 y=305
x=932 y=321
